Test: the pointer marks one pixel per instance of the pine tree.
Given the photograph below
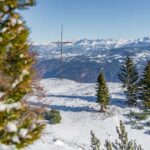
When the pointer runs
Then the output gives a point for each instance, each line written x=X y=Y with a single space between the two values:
x=18 y=125
x=95 y=143
x=129 y=78
x=102 y=92
x=122 y=144
x=145 y=86
x=108 y=145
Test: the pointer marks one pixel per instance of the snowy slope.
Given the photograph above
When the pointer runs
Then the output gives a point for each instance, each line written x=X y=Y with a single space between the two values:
x=82 y=57
x=76 y=102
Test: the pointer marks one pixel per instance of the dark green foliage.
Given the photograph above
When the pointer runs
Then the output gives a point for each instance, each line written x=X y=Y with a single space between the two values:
x=147 y=111
x=144 y=89
x=137 y=118
x=95 y=143
x=136 y=125
x=102 y=92
x=139 y=115
x=123 y=143
x=16 y=78
x=108 y=145
x=140 y=127
x=133 y=123
x=129 y=77
x=53 y=116
x=2 y=88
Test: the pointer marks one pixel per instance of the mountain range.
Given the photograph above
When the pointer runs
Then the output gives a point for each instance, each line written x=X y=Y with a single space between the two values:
x=84 y=59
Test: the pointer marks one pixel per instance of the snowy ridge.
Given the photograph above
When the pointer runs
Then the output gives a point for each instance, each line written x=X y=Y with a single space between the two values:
x=87 y=44
x=80 y=114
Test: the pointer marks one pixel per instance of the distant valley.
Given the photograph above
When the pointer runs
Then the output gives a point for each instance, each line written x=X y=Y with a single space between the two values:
x=84 y=59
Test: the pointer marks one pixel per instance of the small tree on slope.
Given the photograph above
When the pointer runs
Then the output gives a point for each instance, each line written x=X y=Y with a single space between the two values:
x=17 y=129
x=129 y=78
x=145 y=86
x=102 y=92
x=95 y=143
x=122 y=144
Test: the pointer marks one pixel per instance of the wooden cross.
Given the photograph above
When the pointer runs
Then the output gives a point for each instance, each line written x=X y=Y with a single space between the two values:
x=61 y=42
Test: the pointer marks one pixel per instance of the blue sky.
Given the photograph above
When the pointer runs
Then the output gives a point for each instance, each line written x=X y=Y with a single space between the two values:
x=88 y=19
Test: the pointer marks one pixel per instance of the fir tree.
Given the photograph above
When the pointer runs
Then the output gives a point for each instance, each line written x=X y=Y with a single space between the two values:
x=95 y=143
x=18 y=126
x=102 y=92
x=129 y=78
x=145 y=86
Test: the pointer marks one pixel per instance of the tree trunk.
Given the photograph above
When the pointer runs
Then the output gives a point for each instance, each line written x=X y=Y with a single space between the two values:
x=102 y=109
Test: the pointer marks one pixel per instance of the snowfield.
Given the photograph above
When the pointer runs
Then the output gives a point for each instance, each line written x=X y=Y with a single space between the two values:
x=80 y=114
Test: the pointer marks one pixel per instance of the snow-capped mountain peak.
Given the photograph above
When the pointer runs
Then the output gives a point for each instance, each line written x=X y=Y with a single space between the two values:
x=86 y=55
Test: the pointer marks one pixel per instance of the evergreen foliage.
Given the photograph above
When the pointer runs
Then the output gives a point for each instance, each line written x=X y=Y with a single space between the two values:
x=139 y=115
x=95 y=143
x=122 y=144
x=108 y=145
x=129 y=78
x=102 y=92
x=18 y=127
x=53 y=116
x=145 y=86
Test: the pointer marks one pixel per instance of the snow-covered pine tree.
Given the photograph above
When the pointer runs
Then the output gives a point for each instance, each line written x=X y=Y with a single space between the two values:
x=108 y=145
x=102 y=92
x=122 y=144
x=129 y=77
x=18 y=128
x=95 y=143
x=145 y=86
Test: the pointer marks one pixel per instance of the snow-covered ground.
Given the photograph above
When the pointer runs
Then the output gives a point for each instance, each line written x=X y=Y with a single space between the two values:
x=79 y=111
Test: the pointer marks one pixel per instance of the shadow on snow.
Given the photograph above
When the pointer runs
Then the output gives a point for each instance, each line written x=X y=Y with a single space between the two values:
x=119 y=102
x=65 y=108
